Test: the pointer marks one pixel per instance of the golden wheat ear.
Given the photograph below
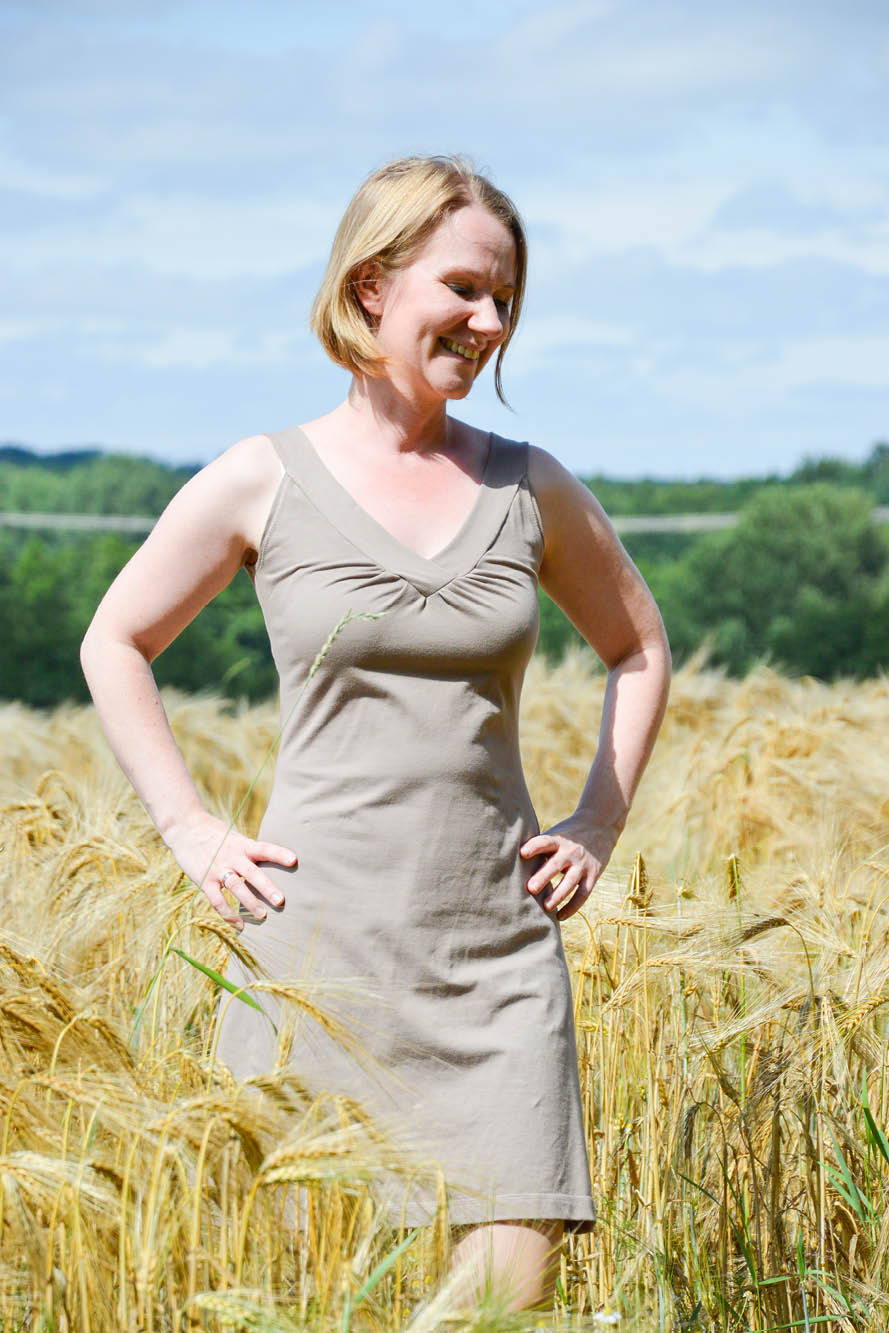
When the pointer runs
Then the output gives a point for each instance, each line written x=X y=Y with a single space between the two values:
x=731 y=1029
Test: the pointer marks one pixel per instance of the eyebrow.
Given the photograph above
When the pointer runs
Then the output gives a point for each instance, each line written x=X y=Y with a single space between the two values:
x=460 y=272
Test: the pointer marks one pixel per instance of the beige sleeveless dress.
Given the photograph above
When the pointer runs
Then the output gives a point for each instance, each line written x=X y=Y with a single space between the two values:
x=399 y=784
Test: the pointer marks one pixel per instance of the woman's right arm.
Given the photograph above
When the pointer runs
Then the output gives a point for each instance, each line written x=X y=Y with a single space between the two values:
x=198 y=544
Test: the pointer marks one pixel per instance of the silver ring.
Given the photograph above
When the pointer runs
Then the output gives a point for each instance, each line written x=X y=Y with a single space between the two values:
x=224 y=876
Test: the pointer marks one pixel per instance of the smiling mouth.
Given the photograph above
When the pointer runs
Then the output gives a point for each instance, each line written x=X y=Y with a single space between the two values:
x=468 y=353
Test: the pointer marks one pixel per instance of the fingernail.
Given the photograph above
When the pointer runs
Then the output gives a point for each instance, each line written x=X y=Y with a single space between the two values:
x=277 y=899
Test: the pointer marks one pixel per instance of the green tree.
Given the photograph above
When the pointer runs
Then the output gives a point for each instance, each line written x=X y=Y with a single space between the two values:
x=798 y=581
x=49 y=590
x=876 y=472
x=39 y=642
x=107 y=484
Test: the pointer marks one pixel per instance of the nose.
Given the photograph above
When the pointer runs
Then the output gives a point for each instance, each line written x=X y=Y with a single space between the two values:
x=488 y=318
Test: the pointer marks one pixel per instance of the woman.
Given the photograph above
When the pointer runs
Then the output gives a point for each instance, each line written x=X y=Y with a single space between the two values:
x=400 y=858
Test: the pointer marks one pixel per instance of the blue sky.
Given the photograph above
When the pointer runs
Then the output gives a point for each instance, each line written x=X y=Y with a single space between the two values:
x=706 y=188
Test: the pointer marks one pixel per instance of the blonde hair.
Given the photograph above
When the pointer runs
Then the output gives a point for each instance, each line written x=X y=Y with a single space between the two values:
x=386 y=223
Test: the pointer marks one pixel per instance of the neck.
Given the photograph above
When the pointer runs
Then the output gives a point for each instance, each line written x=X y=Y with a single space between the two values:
x=380 y=408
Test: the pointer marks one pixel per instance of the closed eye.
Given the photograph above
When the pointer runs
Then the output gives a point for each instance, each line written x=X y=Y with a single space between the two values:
x=502 y=302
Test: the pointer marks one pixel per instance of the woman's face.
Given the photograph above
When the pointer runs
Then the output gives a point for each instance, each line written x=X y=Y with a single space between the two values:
x=440 y=319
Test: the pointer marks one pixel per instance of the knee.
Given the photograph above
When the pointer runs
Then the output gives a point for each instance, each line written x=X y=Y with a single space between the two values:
x=539 y=1268
x=514 y=1263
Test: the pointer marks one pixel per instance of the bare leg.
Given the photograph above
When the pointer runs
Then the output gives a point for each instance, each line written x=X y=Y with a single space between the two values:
x=517 y=1260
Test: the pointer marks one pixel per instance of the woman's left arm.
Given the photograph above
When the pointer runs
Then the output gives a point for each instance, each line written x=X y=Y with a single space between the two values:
x=587 y=572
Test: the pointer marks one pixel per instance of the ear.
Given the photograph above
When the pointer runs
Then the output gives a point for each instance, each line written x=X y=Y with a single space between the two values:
x=368 y=283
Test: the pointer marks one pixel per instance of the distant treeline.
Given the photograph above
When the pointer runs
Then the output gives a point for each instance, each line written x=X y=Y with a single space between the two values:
x=802 y=580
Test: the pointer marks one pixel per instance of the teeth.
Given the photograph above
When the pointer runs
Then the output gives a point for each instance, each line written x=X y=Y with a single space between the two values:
x=468 y=352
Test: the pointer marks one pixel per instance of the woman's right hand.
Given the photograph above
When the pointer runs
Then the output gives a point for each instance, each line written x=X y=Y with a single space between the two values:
x=205 y=848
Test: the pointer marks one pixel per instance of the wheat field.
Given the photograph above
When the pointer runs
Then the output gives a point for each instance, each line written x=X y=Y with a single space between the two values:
x=731 y=978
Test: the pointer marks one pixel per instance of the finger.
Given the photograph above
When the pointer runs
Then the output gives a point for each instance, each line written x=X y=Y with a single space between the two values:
x=215 y=898
x=259 y=882
x=556 y=864
x=568 y=883
x=238 y=884
x=580 y=897
x=542 y=877
x=272 y=851
x=582 y=893
x=541 y=842
x=234 y=882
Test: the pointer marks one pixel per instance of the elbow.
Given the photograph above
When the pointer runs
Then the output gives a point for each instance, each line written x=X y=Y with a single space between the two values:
x=651 y=661
x=86 y=643
x=650 y=651
x=666 y=654
x=661 y=658
x=658 y=659
x=97 y=646
x=656 y=645
x=95 y=634
x=89 y=650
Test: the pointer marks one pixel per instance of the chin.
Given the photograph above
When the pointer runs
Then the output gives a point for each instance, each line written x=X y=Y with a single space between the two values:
x=462 y=386
x=459 y=391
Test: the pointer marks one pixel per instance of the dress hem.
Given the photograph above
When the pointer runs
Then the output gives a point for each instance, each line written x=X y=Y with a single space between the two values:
x=577 y=1211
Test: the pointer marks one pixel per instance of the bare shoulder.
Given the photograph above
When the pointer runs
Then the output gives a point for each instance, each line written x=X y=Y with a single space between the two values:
x=565 y=502
x=235 y=491
x=248 y=467
x=212 y=526
x=585 y=568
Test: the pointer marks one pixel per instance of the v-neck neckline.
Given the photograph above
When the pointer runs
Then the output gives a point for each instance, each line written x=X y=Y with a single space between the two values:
x=426 y=573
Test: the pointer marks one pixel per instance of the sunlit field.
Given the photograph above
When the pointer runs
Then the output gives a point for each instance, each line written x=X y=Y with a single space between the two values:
x=731 y=978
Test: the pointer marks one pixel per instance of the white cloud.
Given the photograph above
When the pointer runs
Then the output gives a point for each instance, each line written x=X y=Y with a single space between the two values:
x=42 y=326
x=550 y=27
x=254 y=236
x=196 y=348
x=679 y=219
x=171 y=193
x=748 y=376
x=196 y=237
x=850 y=360
x=611 y=218
x=564 y=335
x=53 y=182
x=764 y=248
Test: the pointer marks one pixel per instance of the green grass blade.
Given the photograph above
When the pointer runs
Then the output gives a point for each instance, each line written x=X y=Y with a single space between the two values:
x=832 y=1291
x=848 y=1191
x=802 y=1323
x=220 y=980
x=383 y=1267
x=137 y=1023
x=851 y=1193
x=741 y=1239
x=874 y=1134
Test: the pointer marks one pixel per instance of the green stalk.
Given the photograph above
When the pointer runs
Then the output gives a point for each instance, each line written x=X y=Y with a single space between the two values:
x=734 y=891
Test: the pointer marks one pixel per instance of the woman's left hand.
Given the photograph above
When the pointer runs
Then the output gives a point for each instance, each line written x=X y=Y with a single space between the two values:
x=578 y=853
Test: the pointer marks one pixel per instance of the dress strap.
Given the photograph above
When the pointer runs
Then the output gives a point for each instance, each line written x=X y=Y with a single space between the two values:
x=289 y=445
x=508 y=462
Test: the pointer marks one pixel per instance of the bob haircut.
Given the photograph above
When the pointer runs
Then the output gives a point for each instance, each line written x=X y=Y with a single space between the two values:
x=387 y=223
